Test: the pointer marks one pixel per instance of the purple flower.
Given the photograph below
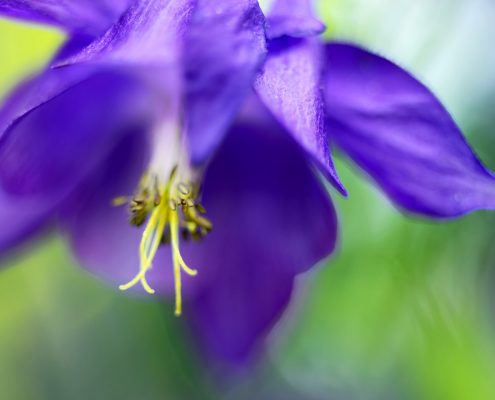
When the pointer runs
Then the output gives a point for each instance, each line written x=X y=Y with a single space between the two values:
x=211 y=124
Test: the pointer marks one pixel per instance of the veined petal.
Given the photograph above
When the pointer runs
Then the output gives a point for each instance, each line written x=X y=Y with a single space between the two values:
x=293 y=18
x=149 y=33
x=90 y=16
x=290 y=87
x=74 y=44
x=272 y=219
x=82 y=58
x=398 y=132
x=225 y=45
x=217 y=46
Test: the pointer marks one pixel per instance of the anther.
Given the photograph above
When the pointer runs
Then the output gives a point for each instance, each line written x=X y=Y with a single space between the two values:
x=172 y=204
x=120 y=201
x=183 y=189
x=189 y=203
x=200 y=208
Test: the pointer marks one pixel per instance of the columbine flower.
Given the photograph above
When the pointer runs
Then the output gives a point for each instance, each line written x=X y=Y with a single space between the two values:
x=209 y=125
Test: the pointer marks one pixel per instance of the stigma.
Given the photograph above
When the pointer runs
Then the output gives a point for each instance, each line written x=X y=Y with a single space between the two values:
x=169 y=211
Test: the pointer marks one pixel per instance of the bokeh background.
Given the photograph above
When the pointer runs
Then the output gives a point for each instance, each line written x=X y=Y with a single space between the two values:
x=404 y=309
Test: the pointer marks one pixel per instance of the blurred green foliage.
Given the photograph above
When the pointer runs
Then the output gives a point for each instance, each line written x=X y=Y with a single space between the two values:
x=403 y=310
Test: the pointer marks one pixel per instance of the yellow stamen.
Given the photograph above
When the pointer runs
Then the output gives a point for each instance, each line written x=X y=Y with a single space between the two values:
x=141 y=277
x=178 y=262
x=177 y=277
x=153 y=231
x=150 y=241
x=174 y=229
x=165 y=210
x=120 y=201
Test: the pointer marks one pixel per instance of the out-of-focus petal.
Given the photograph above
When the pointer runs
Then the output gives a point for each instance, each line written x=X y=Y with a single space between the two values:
x=103 y=240
x=290 y=87
x=272 y=220
x=43 y=87
x=398 y=132
x=21 y=218
x=90 y=16
x=48 y=149
x=293 y=18
x=225 y=45
x=51 y=139
x=37 y=91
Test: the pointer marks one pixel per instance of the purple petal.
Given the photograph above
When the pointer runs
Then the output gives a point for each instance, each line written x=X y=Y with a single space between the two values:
x=51 y=139
x=272 y=219
x=109 y=53
x=35 y=132
x=290 y=87
x=220 y=45
x=293 y=18
x=39 y=90
x=100 y=234
x=21 y=218
x=106 y=55
x=49 y=148
x=73 y=45
x=90 y=16
x=225 y=45
x=149 y=33
x=398 y=132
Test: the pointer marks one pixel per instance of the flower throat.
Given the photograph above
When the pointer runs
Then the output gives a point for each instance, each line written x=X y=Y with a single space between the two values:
x=168 y=209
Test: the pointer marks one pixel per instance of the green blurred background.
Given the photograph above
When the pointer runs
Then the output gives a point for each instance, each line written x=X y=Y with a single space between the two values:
x=404 y=310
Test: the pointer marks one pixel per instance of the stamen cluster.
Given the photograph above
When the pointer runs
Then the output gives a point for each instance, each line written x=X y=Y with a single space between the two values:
x=167 y=210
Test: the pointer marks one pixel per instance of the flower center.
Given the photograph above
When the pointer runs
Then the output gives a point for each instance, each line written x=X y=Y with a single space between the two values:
x=168 y=209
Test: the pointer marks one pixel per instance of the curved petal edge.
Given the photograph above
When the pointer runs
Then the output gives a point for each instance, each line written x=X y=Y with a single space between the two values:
x=399 y=133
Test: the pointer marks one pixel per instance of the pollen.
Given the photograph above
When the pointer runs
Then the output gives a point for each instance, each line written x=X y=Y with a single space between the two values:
x=167 y=210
